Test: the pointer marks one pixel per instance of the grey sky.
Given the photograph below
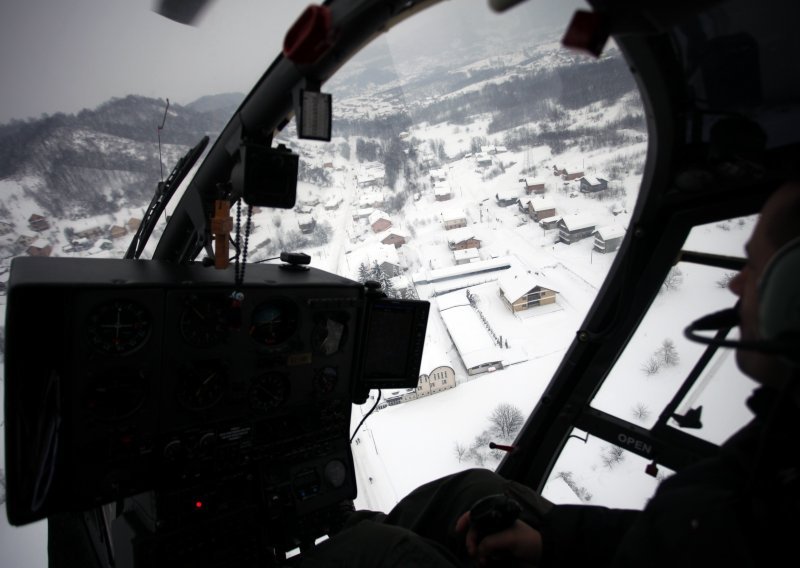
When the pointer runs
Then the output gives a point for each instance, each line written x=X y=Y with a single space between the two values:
x=65 y=56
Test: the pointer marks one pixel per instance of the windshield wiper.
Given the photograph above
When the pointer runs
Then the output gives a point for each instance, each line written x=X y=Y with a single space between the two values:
x=164 y=192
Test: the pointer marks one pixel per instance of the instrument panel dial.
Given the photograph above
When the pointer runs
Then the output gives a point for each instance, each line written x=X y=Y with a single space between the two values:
x=118 y=327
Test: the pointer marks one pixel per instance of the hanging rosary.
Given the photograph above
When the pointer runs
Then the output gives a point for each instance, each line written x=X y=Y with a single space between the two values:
x=235 y=317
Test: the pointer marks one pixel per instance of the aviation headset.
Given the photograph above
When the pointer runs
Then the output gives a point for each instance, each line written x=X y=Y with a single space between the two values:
x=778 y=311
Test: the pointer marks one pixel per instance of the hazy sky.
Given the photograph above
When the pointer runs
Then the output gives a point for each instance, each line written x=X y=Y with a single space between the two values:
x=68 y=55
x=63 y=56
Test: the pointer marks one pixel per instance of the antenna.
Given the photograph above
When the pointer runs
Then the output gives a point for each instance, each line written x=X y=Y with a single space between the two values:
x=160 y=128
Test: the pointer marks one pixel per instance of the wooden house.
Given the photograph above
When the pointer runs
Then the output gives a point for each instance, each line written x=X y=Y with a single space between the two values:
x=522 y=291
x=134 y=223
x=541 y=208
x=593 y=184
x=454 y=219
x=39 y=247
x=379 y=221
x=535 y=186
x=549 y=223
x=395 y=237
x=38 y=223
x=464 y=238
x=117 y=232
x=608 y=239
x=574 y=228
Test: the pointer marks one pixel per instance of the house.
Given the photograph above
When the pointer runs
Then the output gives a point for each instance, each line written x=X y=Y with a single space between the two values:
x=464 y=256
x=362 y=213
x=523 y=290
x=395 y=237
x=454 y=219
x=39 y=247
x=374 y=199
x=569 y=176
x=533 y=186
x=442 y=191
x=573 y=228
x=483 y=160
x=38 y=223
x=608 y=239
x=439 y=379
x=593 y=184
x=310 y=201
x=92 y=233
x=379 y=221
x=463 y=238
x=506 y=198
x=550 y=222
x=117 y=232
x=385 y=255
x=333 y=203
x=328 y=165
x=134 y=223
x=437 y=175
x=523 y=204
x=541 y=208
x=26 y=240
x=307 y=223
x=370 y=175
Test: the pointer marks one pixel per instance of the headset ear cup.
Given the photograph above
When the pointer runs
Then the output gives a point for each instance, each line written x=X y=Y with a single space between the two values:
x=779 y=294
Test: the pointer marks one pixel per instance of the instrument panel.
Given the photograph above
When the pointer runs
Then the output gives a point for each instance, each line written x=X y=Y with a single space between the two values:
x=160 y=388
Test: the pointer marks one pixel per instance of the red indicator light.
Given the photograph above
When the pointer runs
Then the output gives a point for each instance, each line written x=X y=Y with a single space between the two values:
x=198 y=505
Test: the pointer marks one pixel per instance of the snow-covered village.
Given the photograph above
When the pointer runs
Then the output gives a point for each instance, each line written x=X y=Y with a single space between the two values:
x=499 y=188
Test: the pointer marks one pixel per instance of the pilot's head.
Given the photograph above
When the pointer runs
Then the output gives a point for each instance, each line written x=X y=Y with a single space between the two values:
x=778 y=225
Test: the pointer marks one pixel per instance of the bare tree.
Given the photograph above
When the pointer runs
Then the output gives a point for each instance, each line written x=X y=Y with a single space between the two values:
x=674 y=279
x=506 y=420
x=581 y=492
x=725 y=280
x=460 y=450
x=611 y=456
x=667 y=353
x=651 y=366
x=640 y=411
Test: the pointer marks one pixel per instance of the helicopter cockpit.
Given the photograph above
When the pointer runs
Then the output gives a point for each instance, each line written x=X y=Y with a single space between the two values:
x=591 y=175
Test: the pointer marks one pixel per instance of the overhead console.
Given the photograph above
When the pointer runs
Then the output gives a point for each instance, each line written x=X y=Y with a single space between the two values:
x=144 y=384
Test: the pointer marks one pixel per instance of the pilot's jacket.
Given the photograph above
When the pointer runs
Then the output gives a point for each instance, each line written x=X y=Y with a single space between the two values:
x=739 y=508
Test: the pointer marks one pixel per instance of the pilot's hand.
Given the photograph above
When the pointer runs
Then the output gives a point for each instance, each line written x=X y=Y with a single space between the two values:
x=519 y=542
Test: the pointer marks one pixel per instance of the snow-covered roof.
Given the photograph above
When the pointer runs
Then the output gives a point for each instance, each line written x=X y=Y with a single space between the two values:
x=437 y=174
x=460 y=234
x=533 y=181
x=385 y=253
x=517 y=283
x=475 y=346
x=441 y=188
x=383 y=235
x=506 y=194
x=593 y=180
x=466 y=254
x=611 y=232
x=578 y=221
x=542 y=204
x=453 y=215
x=553 y=219
x=305 y=219
x=463 y=270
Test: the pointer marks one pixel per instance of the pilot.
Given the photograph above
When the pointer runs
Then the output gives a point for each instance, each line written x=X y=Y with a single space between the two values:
x=739 y=508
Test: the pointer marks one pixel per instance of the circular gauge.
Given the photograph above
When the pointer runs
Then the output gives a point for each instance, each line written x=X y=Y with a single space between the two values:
x=273 y=322
x=118 y=394
x=118 y=327
x=268 y=391
x=202 y=386
x=203 y=321
x=335 y=473
x=325 y=379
